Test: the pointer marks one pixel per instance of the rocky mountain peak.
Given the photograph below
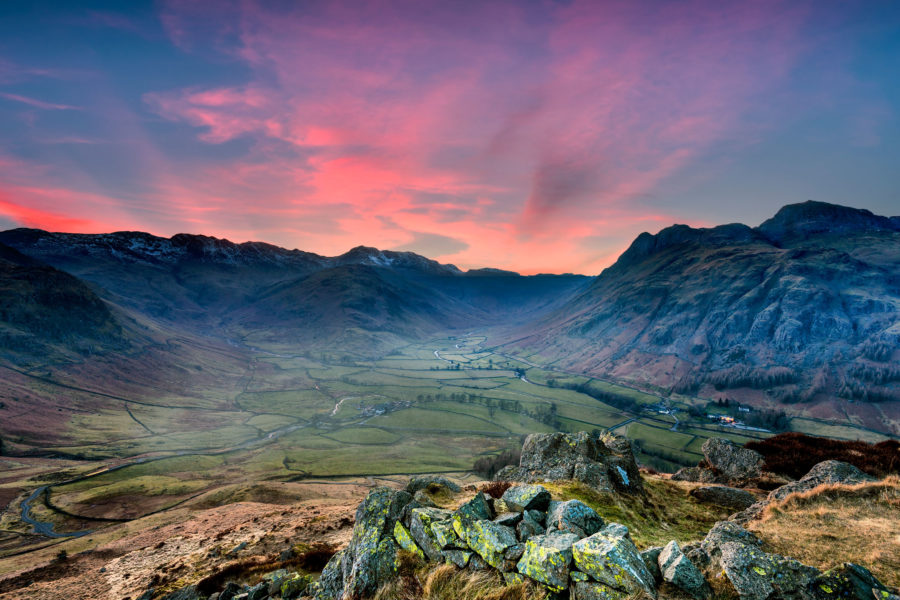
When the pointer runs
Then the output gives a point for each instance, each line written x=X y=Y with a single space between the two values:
x=798 y=221
x=366 y=255
x=723 y=235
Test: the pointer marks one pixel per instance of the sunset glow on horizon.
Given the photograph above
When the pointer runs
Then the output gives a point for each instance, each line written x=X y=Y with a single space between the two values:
x=532 y=136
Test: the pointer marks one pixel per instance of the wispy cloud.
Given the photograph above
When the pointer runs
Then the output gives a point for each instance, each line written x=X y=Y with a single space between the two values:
x=37 y=103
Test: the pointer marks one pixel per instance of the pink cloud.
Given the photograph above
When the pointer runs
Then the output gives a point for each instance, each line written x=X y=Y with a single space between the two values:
x=521 y=131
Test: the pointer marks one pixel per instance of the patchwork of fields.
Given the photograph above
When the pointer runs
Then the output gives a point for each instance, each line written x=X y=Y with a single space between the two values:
x=430 y=407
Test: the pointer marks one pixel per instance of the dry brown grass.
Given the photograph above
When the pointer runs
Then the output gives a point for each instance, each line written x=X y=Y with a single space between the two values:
x=496 y=489
x=832 y=524
x=446 y=582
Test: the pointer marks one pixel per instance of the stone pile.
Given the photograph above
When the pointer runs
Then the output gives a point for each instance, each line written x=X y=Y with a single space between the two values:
x=572 y=551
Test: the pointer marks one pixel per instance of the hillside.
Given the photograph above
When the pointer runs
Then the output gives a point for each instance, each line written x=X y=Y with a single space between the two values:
x=804 y=308
x=44 y=311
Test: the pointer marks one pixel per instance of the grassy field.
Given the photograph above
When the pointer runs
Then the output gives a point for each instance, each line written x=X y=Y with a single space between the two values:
x=430 y=407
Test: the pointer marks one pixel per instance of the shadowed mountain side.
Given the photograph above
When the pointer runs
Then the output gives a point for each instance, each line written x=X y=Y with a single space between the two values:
x=809 y=315
x=351 y=307
x=45 y=311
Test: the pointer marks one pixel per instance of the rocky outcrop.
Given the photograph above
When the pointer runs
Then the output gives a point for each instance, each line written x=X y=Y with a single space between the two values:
x=606 y=464
x=754 y=574
x=724 y=462
x=829 y=471
x=431 y=483
x=825 y=472
x=564 y=546
x=371 y=557
x=611 y=558
x=677 y=569
x=721 y=495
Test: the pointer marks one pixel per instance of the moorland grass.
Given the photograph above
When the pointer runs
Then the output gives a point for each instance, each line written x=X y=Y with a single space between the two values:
x=667 y=512
x=832 y=524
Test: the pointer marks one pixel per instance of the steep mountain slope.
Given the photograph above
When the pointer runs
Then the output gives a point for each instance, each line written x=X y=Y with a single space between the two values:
x=44 y=311
x=806 y=306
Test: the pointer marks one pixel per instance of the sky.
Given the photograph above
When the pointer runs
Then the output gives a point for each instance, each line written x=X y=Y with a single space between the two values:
x=537 y=136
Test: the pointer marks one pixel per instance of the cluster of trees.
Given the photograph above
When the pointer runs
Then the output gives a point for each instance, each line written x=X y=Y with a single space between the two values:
x=857 y=390
x=619 y=401
x=747 y=376
x=545 y=412
x=488 y=466
x=877 y=374
x=773 y=420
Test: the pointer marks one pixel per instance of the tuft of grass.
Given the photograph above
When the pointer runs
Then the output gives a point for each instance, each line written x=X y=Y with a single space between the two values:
x=832 y=524
x=447 y=582
x=496 y=489
x=666 y=512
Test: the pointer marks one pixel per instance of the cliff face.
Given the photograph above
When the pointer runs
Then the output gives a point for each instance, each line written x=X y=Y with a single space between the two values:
x=806 y=306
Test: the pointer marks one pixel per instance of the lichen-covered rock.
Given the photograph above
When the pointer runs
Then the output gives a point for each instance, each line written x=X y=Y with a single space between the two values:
x=295 y=586
x=421 y=521
x=330 y=584
x=513 y=578
x=514 y=552
x=829 y=471
x=848 y=582
x=511 y=473
x=757 y=575
x=624 y=474
x=371 y=557
x=724 y=532
x=260 y=591
x=547 y=559
x=591 y=590
x=445 y=536
x=650 y=557
x=575 y=517
x=615 y=561
x=526 y=497
x=596 y=475
x=695 y=474
x=729 y=497
x=732 y=461
x=696 y=554
x=529 y=526
x=490 y=540
x=406 y=541
x=615 y=530
x=510 y=519
x=476 y=563
x=435 y=482
x=476 y=509
x=678 y=570
x=460 y=558
x=605 y=464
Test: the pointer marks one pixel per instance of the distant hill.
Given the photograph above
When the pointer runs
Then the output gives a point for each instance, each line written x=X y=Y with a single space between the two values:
x=804 y=307
x=44 y=311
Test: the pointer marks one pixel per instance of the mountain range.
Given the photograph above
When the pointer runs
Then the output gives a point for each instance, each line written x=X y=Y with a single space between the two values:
x=803 y=308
